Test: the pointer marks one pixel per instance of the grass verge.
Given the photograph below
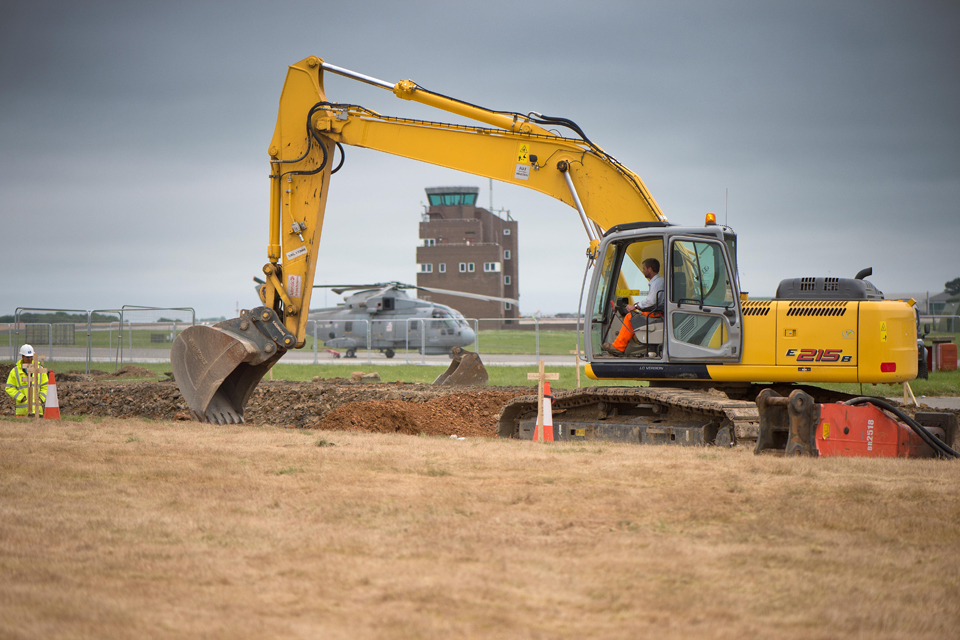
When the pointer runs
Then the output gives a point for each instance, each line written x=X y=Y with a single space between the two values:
x=170 y=530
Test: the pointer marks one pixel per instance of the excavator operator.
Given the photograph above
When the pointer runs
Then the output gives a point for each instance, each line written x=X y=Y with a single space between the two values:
x=639 y=315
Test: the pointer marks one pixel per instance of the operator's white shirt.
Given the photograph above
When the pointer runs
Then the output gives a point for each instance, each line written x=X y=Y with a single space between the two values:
x=650 y=302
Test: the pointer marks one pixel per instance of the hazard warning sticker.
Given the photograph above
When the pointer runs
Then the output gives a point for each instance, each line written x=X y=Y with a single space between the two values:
x=522 y=172
x=294 y=286
x=523 y=153
x=883 y=332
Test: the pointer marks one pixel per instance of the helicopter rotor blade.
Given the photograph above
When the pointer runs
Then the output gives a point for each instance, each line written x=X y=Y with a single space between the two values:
x=340 y=288
x=386 y=286
x=463 y=294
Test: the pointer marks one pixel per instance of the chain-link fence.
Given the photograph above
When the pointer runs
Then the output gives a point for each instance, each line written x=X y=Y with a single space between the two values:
x=411 y=340
x=943 y=324
x=101 y=335
x=145 y=334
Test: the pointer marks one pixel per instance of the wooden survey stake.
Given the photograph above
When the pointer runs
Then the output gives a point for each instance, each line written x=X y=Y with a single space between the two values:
x=35 y=373
x=540 y=377
x=908 y=396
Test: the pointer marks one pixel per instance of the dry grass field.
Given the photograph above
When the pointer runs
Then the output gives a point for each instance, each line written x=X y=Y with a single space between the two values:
x=139 y=529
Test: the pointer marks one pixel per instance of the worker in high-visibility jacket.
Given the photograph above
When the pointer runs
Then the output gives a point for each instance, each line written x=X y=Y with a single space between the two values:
x=17 y=382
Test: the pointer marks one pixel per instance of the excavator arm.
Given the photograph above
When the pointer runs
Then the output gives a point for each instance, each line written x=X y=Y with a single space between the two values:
x=218 y=367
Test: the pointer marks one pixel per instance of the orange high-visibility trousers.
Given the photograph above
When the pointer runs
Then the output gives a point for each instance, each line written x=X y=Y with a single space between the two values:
x=626 y=331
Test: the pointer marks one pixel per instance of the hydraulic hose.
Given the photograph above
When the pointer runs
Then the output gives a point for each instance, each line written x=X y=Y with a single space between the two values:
x=311 y=137
x=941 y=448
x=342 y=158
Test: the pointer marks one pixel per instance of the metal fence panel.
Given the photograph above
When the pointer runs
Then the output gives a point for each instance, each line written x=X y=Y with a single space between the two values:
x=77 y=335
x=147 y=333
x=56 y=340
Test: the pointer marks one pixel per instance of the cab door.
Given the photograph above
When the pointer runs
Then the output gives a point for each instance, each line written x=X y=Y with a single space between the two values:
x=704 y=321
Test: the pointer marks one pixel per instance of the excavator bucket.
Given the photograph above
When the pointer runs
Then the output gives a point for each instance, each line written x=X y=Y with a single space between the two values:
x=465 y=369
x=218 y=367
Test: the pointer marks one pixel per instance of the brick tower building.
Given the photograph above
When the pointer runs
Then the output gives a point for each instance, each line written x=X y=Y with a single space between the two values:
x=466 y=248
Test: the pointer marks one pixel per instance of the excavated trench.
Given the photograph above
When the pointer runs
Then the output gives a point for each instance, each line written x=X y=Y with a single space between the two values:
x=328 y=404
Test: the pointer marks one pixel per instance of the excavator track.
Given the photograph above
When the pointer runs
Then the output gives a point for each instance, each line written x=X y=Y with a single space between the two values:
x=643 y=415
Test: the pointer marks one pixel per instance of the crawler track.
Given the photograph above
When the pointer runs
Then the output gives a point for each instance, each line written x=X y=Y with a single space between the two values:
x=647 y=415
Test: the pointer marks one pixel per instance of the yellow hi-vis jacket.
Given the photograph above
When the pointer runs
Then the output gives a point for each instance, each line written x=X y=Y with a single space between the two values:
x=17 y=388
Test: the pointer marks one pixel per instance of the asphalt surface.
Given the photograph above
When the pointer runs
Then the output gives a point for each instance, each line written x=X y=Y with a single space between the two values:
x=936 y=402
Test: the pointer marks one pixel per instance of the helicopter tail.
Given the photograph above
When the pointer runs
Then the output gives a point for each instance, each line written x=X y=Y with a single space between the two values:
x=465 y=369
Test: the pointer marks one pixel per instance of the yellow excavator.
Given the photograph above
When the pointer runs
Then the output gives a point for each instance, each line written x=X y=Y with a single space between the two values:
x=707 y=347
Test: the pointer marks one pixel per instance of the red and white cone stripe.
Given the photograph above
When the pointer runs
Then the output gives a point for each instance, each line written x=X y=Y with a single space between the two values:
x=547 y=416
x=51 y=410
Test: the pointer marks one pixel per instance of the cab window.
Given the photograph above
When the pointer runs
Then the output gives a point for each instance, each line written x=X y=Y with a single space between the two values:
x=700 y=275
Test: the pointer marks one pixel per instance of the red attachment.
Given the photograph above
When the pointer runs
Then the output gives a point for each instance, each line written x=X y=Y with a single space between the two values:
x=946 y=356
x=866 y=431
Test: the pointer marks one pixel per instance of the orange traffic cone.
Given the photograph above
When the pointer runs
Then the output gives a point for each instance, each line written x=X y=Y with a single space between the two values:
x=51 y=411
x=547 y=416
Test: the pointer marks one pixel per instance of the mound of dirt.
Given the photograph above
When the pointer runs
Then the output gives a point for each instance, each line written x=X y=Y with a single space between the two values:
x=296 y=405
x=461 y=414
x=132 y=371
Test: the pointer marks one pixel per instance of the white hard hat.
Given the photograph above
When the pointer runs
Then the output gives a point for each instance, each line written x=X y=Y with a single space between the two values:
x=26 y=351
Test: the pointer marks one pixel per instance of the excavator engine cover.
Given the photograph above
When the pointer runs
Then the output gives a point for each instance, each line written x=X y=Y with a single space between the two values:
x=218 y=367
x=465 y=369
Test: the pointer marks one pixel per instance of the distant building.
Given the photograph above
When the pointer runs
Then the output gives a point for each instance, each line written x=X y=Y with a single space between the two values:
x=466 y=248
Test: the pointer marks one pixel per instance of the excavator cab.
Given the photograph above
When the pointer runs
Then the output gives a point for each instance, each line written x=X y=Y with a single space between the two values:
x=632 y=288
x=699 y=312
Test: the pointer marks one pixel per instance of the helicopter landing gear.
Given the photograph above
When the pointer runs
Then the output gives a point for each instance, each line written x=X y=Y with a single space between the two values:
x=389 y=353
x=351 y=353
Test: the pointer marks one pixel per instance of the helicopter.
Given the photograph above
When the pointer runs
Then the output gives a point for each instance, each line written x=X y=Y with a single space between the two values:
x=394 y=320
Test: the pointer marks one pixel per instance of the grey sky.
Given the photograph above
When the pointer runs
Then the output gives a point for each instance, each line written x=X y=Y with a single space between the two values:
x=133 y=138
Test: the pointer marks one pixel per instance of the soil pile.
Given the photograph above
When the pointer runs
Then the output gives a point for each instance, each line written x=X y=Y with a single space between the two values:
x=133 y=371
x=129 y=371
x=461 y=414
x=298 y=405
